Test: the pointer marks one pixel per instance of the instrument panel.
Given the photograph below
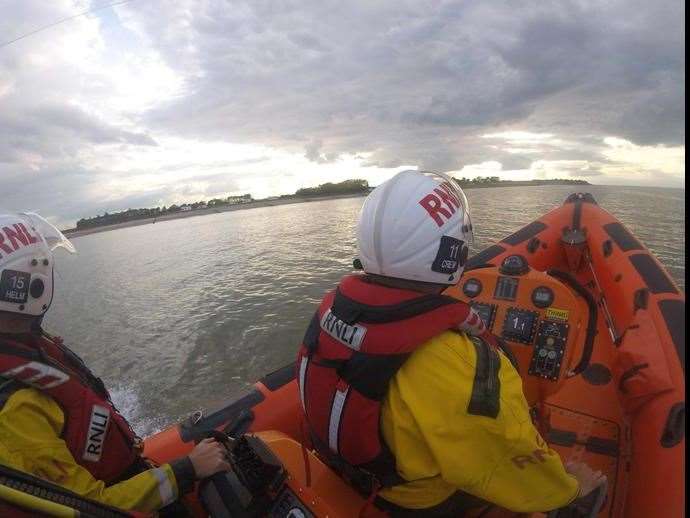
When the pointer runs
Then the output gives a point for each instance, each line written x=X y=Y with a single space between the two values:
x=519 y=325
x=540 y=317
x=549 y=349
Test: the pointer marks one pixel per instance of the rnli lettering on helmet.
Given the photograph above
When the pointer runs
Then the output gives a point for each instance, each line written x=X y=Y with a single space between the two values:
x=350 y=335
x=95 y=436
x=15 y=237
x=440 y=204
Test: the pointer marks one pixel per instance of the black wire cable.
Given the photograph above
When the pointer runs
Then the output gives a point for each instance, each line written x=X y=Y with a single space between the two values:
x=113 y=4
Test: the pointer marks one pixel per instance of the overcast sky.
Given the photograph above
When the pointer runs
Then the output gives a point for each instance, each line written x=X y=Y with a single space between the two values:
x=154 y=102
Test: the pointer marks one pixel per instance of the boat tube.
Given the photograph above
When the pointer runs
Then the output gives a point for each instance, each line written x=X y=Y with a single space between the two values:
x=597 y=327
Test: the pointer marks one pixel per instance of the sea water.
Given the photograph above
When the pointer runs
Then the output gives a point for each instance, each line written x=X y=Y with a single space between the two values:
x=181 y=315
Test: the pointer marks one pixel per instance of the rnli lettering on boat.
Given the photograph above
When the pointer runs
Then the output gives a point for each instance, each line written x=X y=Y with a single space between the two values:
x=350 y=335
x=15 y=237
x=536 y=457
x=434 y=203
x=98 y=426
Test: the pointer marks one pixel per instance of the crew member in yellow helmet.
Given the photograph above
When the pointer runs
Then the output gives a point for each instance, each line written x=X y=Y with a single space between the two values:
x=400 y=396
x=57 y=421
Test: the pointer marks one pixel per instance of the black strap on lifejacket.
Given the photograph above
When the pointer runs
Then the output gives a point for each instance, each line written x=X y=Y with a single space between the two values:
x=367 y=478
x=486 y=388
x=28 y=353
x=311 y=337
x=370 y=374
x=350 y=311
x=7 y=388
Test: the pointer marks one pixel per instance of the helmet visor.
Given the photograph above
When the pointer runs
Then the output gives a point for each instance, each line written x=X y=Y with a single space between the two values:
x=53 y=237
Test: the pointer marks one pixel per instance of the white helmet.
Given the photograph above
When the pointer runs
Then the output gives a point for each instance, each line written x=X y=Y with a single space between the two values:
x=415 y=226
x=27 y=242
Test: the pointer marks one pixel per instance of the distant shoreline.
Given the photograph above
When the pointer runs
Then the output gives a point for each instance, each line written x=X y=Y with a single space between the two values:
x=72 y=233
x=522 y=183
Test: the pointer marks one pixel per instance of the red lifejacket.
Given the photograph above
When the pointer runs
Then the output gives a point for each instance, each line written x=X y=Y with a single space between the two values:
x=98 y=437
x=359 y=337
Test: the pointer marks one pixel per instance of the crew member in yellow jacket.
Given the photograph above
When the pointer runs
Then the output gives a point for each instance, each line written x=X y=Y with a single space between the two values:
x=442 y=449
x=452 y=413
x=57 y=421
x=30 y=429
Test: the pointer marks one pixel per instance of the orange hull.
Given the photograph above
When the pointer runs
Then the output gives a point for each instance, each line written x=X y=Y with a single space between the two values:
x=615 y=397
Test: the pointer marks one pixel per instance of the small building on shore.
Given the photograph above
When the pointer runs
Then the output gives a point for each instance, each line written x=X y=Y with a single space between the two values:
x=234 y=200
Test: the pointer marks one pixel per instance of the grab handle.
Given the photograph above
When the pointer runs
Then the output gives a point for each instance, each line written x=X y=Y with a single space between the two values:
x=674 y=430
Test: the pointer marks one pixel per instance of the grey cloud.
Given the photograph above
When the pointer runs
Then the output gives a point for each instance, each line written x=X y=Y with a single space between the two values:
x=69 y=192
x=40 y=123
x=402 y=82
x=396 y=77
x=190 y=165
x=314 y=153
x=66 y=192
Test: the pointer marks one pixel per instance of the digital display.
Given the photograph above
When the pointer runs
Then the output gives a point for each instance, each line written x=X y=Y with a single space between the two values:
x=542 y=297
x=472 y=288
x=485 y=312
x=506 y=288
x=519 y=325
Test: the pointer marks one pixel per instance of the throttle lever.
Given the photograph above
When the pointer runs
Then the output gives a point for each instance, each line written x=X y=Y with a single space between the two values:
x=223 y=438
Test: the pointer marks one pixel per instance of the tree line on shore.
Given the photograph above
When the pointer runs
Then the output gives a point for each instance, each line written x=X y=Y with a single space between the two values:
x=327 y=189
x=156 y=212
x=355 y=186
x=495 y=180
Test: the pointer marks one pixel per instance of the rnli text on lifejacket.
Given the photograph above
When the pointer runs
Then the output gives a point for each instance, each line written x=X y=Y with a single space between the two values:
x=349 y=335
x=98 y=426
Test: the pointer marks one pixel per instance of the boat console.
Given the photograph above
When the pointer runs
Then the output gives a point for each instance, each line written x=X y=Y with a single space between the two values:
x=541 y=318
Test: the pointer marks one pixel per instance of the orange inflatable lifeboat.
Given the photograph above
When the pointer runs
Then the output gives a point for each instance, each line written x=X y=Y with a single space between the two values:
x=598 y=329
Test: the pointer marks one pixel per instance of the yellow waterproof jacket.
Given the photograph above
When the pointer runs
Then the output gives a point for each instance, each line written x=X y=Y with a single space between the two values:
x=442 y=448
x=30 y=427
